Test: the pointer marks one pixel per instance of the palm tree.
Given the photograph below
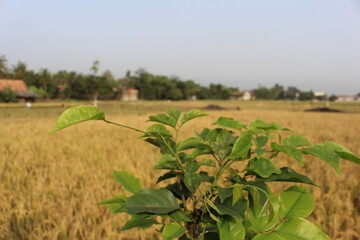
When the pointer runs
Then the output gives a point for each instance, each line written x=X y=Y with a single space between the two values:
x=19 y=70
x=3 y=66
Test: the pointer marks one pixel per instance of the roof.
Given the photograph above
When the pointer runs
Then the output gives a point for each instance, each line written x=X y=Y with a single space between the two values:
x=17 y=86
x=14 y=85
x=130 y=91
x=242 y=93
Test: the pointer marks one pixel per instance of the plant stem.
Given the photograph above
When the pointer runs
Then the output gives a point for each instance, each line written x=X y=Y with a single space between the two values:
x=124 y=126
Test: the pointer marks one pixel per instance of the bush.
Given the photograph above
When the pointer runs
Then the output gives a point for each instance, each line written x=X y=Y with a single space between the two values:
x=7 y=95
x=193 y=202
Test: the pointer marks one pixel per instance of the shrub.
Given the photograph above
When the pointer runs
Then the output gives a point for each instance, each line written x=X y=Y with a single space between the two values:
x=224 y=202
x=7 y=95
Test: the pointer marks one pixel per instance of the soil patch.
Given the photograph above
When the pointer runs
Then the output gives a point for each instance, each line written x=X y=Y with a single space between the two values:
x=324 y=109
x=214 y=107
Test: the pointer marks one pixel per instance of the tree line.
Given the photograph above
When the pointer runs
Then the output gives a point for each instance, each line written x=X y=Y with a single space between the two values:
x=74 y=85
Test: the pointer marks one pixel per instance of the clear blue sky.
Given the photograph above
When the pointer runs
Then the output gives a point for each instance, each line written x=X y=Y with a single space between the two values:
x=311 y=44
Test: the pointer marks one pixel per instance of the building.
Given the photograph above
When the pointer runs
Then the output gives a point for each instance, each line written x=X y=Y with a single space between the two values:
x=243 y=95
x=345 y=98
x=19 y=88
x=130 y=94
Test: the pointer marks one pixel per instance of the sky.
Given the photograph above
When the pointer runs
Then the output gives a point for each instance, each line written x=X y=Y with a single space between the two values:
x=310 y=44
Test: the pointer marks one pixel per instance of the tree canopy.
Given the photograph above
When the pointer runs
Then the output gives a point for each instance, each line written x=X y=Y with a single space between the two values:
x=94 y=85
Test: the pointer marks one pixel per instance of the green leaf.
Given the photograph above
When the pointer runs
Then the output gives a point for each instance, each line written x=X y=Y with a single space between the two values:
x=164 y=119
x=178 y=189
x=192 y=181
x=335 y=147
x=271 y=236
x=207 y=162
x=115 y=205
x=231 y=228
x=288 y=150
x=192 y=166
x=296 y=141
x=225 y=193
x=295 y=229
x=195 y=113
x=180 y=216
x=342 y=152
x=236 y=210
x=141 y=221
x=264 y=167
x=189 y=143
x=212 y=205
x=128 y=181
x=158 y=201
x=325 y=154
x=259 y=152
x=237 y=193
x=166 y=176
x=296 y=202
x=116 y=199
x=172 y=230
x=349 y=156
x=163 y=144
x=287 y=175
x=205 y=177
x=157 y=130
x=167 y=161
x=261 y=141
x=77 y=115
x=241 y=147
x=259 y=124
x=174 y=113
x=263 y=210
x=213 y=217
x=229 y=123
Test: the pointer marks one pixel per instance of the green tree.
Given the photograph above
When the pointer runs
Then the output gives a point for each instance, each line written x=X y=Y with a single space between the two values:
x=19 y=70
x=45 y=81
x=142 y=82
x=91 y=87
x=3 y=66
x=7 y=95
x=219 y=91
x=292 y=93
x=262 y=93
x=190 y=89
x=277 y=92
x=333 y=98
x=95 y=67
x=306 y=96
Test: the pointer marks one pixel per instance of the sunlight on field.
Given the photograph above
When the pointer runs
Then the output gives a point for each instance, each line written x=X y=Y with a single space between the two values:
x=49 y=185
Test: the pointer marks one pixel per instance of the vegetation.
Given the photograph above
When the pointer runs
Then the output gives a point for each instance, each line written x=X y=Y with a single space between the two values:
x=7 y=95
x=228 y=202
x=49 y=185
x=73 y=85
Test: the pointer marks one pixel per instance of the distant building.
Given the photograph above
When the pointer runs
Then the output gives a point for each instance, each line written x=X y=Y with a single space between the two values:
x=346 y=98
x=319 y=94
x=192 y=97
x=19 y=88
x=130 y=94
x=243 y=95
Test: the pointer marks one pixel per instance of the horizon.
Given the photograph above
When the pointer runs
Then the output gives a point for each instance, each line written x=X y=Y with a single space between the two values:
x=238 y=44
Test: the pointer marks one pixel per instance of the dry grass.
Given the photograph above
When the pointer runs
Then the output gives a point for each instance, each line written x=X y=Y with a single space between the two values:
x=49 y=185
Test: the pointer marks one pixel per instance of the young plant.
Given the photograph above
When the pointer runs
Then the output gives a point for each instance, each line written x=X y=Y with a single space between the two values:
x=225 y=202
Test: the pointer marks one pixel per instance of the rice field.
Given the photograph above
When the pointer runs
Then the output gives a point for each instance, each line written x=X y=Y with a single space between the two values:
x=50 y=184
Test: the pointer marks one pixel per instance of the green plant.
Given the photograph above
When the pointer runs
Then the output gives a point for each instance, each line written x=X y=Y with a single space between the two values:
x=215 y=185
x=7 y=95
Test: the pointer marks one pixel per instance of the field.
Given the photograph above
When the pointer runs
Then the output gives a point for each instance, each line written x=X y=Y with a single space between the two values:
x=50 y=184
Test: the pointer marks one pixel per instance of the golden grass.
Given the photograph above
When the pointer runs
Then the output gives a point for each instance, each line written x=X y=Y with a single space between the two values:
x=49 y=185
